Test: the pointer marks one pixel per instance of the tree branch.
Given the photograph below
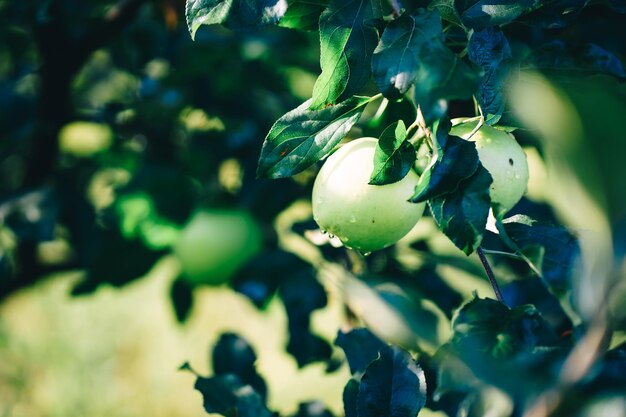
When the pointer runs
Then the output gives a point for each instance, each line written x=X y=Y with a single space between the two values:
x=490 y=276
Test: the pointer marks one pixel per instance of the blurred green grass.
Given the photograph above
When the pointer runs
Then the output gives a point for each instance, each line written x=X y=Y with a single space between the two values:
x=117 y=352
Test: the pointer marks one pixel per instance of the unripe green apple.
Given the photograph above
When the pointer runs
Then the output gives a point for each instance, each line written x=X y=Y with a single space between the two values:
x=364 y=217
x=215 y=244
x=503 y=157
x=85 y=139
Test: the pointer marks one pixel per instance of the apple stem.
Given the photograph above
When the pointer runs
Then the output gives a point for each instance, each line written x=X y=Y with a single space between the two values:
x=490 y=276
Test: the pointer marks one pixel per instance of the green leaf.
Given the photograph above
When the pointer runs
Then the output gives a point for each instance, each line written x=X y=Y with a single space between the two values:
x=447 y=10
x=462 y=214
x=486 y=13
x=572 y=59
x=348 y=39
x=456 y=161
x=303 y=136
x=486 y=326
x=442 y=76
x=394 y=156
x=228 y=396
x=303 y=14
x=490 y=50
x=551 y=248
x=360 y=346
x=395 y=63
x=393 y=385
x=391 y=111
x=181 y=295
x=241 y=15
x=233 y=355
x=350 y=395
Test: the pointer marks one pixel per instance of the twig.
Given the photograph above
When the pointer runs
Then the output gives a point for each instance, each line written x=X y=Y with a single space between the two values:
x=490 y=276
x=396 y=7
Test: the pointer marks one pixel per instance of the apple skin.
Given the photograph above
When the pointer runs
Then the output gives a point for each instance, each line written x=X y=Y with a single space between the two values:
x=503 y=157
x=215 y=244
x=364 y=217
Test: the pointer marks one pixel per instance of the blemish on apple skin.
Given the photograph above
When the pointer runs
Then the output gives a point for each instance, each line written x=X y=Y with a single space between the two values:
x=511 y=161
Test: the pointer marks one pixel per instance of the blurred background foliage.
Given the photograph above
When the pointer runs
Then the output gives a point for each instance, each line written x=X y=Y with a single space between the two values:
x=117 y=133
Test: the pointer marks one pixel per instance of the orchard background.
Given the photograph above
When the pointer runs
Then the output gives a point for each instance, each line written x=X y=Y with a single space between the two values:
x=132 y=132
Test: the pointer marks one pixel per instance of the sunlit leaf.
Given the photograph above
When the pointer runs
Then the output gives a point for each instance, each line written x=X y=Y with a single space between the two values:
x=396 y=60
x=486 y=13
x=348 y=39
x=303 y=136
x=394 y=156
x=240 y=15
x=303 y=14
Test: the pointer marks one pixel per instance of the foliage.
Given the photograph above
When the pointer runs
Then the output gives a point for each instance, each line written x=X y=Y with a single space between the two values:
x=118 y=128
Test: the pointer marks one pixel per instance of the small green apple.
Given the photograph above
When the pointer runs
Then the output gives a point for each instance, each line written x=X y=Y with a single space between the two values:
x=217 y=243
x=364 y=217
x=503 y=157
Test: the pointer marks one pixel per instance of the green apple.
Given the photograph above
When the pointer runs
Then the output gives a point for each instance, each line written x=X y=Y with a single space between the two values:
x=503 y=157
x=215 y=244
x=364 y=217
x=85 y=139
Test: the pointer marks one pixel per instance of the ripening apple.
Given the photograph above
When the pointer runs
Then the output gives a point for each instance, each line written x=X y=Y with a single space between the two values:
x=364 y=217
x=215 y=244
x=503 y=157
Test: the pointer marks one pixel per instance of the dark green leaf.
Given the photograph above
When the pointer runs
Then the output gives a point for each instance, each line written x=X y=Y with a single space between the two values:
x=552 y=248
x=534 y=291
x=442 y=76
x=350 y=396
x=486 y=13
x=556 y=13
x=393 y=385
x=302 y=136
x=489 y=327
x=394 y=156
x=347 y=41
x=228 y=396
x=181 y=294
x=395 y=63
x=392 y=111
x=239 y=15
x=105 y=267
x=360 y=346
x=312 y=409
x=572 y=59
x=456 y=161
x=234 y=355
x=452 y=374
x=447 y=10
x=462 y=214
x=303 y=14
x=302 y=294
x=490 y=50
